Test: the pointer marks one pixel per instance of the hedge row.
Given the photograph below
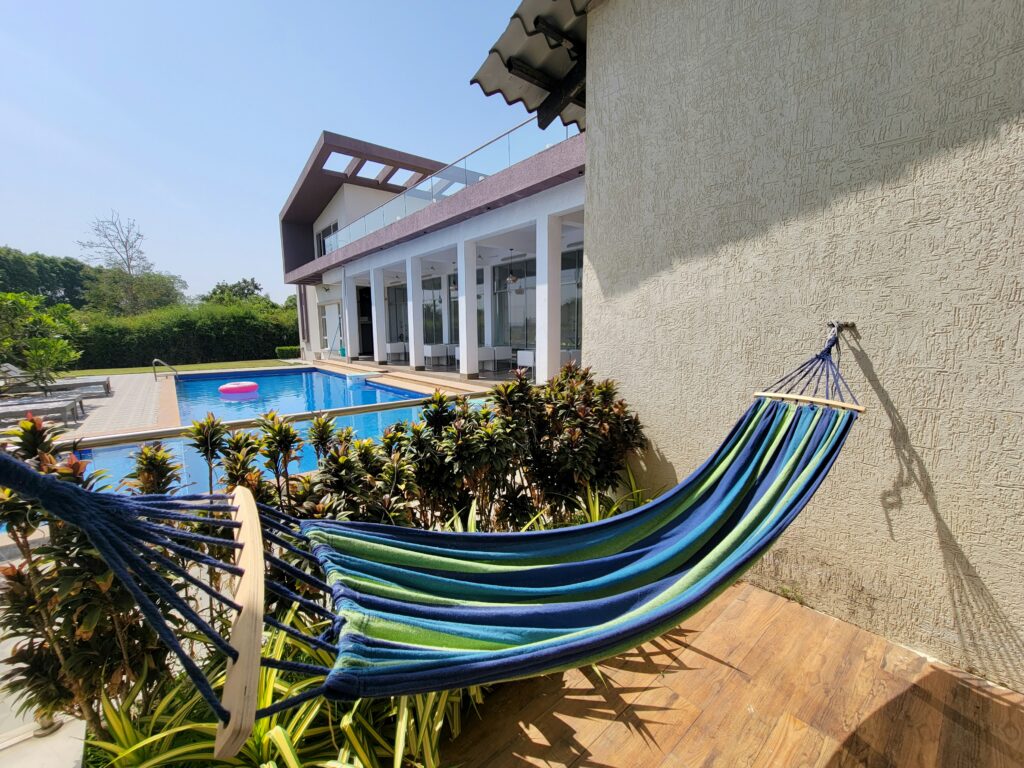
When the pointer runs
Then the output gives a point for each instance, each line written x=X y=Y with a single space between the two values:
x=206 y=333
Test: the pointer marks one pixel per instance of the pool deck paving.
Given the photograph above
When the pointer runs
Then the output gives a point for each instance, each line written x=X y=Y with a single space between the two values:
x=139 y=401
x=143 y=402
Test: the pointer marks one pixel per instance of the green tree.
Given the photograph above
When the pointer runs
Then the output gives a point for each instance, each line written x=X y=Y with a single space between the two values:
x=56 y=279
x=246 y=289
x=114 y=292
x=128 y=283
x=36 y=337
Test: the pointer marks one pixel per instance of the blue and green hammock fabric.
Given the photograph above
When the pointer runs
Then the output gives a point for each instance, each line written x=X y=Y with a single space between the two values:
x=413 y=611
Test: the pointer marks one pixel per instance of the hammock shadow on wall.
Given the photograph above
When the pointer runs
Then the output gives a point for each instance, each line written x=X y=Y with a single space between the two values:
x=987 y=637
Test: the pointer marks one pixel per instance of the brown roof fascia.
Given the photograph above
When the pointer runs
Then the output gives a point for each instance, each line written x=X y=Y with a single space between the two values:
x=316 y=186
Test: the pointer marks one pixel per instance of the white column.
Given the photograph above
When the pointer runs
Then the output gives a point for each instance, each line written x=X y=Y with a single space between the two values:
x=488 y=292
x=446 y=311
x=414 y=292
x=549 y=296
x=466 y=262
x=379 y=316
x=350 y=308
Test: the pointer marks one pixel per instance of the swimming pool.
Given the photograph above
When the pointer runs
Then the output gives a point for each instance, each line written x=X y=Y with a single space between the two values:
x=285 y=390
x=117 y=461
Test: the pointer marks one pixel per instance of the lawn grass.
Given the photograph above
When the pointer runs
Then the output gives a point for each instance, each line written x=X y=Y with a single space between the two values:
x=189 y=367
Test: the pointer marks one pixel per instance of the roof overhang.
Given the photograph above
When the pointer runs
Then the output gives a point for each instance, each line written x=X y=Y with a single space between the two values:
x=317 y=185
x=540 y=61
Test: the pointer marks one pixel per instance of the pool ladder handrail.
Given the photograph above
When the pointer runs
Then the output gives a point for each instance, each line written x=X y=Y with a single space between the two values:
x=166 y=365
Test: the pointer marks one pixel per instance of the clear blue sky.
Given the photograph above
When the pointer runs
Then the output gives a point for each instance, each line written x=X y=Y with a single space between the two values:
x=195 y=118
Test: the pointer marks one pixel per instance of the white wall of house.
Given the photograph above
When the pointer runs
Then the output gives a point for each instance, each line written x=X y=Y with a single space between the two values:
x=348 y=204
x=308 y=336
x=534 y=211
x=755 y=171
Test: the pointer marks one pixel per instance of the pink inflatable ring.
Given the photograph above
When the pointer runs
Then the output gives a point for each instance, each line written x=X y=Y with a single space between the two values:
x=238 y=387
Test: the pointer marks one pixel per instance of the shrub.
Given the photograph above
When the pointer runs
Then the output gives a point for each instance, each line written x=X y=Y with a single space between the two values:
x=286 y=353
x=551 y=451
x=34 y=336
x=205 y=333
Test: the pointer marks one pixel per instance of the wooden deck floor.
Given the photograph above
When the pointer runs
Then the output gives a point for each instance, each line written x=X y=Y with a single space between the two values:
x=752 y=680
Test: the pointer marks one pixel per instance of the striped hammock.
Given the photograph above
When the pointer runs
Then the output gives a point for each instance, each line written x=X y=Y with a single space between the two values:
x=414 y=611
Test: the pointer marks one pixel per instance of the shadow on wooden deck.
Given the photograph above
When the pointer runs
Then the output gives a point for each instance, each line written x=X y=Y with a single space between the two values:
x=751 y=680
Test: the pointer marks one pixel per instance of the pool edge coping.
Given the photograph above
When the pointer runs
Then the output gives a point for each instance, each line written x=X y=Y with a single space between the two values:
x=116 y=438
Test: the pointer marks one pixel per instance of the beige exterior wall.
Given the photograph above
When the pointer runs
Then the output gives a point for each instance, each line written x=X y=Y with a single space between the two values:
x=754 y=170
x=349 y=203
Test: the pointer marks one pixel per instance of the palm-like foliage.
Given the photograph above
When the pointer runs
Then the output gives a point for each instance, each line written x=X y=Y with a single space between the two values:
x=156 y=471
x=321 y=434
x=280 y=446
x=209 y=438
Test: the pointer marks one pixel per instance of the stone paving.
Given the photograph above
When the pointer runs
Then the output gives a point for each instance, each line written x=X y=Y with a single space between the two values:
x=139 y=402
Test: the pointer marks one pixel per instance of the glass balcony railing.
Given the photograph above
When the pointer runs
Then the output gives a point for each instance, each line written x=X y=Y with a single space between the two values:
x=521 y=142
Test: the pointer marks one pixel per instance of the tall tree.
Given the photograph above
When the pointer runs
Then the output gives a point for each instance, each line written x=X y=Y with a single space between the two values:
x=116 y=243
x=126 y=284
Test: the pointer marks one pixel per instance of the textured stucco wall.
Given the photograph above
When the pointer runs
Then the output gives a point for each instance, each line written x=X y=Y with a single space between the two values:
x=756 y=169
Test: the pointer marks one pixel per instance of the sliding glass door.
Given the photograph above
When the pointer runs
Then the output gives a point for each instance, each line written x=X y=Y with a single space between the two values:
x=398 y=313
x=433 y=329
x=515 y=304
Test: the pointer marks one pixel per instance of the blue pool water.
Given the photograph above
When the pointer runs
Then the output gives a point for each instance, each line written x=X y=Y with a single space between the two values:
x=287 y=390
x=117 y=461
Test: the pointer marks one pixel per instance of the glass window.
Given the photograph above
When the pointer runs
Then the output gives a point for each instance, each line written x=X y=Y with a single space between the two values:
x=515 y=304
x=572 y=300
x=397 y=314
x=323 y=326
x=453 y=307
x=433 y=330
x=323 y=247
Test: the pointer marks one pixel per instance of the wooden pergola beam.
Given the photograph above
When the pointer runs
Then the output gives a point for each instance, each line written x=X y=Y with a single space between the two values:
x=553 y=32
x=566 y=92
x=534 y=76
x=386 y=173
x=354 y=166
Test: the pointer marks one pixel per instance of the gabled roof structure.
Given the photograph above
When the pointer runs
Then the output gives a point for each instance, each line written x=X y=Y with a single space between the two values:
x=540 y=60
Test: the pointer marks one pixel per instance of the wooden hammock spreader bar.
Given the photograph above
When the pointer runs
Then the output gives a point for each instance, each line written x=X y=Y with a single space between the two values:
x=243 y=676
x=809 y=399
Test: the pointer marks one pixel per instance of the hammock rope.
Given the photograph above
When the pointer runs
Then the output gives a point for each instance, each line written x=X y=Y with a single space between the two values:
x=414 y=611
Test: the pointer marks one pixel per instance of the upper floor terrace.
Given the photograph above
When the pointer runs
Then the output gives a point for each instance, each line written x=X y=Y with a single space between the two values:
x=395 y=196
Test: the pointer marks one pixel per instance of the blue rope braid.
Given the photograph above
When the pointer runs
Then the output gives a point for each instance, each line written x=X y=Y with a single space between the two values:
x=292 y=701
x=117 y=527
x=173 y=567
x=819 y=374
x=181 y=517
x=285 y=665
x=290 y=547
x=297 y=573
x=278 y=514
x=316 y=642
x=282 y=591
x=269 y=522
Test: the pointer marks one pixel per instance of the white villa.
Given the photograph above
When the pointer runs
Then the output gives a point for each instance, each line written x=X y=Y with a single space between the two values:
x=471 y=267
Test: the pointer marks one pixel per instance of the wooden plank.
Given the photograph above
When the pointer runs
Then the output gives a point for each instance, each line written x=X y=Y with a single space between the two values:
x=764 y=682
x=809 y=399
x=243 y=676
x=794 y=744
